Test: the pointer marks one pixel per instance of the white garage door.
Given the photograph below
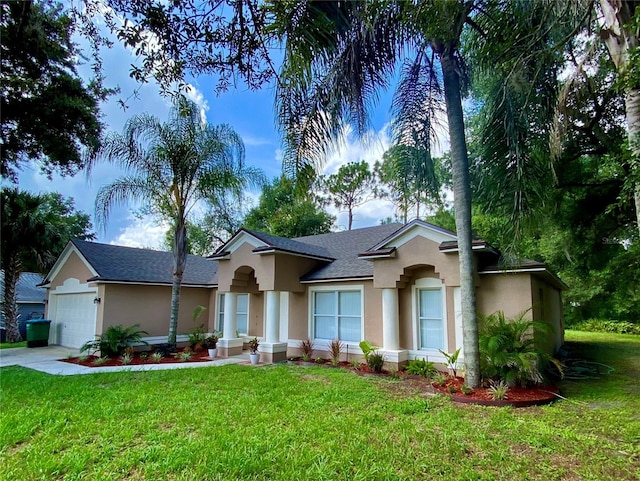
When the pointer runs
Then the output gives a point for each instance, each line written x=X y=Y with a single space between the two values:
x=75 y=318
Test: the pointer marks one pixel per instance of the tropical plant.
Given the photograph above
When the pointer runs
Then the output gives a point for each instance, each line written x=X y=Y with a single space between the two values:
x=373 y=358
x=185 y=356
x=306 y=348
x=171 y=166
x=211 y=342
x=126 y=358
x=335 y=349
x=508 y=349
x=35 y=229
x=99 y=361
x=115 y=340
x=466 y=390
x=439 y=379
x=452 y=360
x=499 y=390
x=253 y=345
x=421 y=367
x=338 y=55
x=156 y=357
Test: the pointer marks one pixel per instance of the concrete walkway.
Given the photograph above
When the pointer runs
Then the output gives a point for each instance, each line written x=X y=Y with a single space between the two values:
x=46 y=359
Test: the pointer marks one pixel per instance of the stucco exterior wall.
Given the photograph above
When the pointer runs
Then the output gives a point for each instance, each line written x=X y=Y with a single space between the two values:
x=256 y=315
x=280 y=272
x=510 y=293
x=547 y=307
x=73 y=267
x=150 y=307
x=418 y=251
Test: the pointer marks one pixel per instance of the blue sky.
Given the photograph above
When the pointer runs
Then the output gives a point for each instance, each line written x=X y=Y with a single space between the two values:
x=249 y=113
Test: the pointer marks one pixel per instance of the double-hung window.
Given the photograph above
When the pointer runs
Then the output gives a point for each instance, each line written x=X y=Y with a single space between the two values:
x=337 y=314
x=430 y=315
x=242 y=313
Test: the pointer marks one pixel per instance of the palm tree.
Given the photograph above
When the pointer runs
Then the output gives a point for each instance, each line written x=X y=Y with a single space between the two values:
x=27 y=234
x=170 y=167
x=338 y=56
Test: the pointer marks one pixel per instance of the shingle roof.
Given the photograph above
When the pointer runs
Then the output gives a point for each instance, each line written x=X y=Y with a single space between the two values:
x=344 y=247
x=293 y=245
x=129 y=264
x=26 y=288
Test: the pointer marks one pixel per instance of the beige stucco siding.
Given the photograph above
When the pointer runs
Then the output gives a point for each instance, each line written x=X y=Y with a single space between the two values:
x=372 y=314
x=547 y=307
x=75 y=268
x=256 y=315
x=418 y=251
x=150 y=307
x=280 y=272
x=510 y=293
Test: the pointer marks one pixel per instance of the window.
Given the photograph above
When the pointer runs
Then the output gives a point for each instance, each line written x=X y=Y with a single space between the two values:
x=430 y=314
x=242 y=313
x=337 y=315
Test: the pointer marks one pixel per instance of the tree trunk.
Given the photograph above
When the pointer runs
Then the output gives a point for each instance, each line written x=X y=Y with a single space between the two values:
x=10 y=309
x=350 y=218
x=462 y=206
x=179 y=263
x=620 y=41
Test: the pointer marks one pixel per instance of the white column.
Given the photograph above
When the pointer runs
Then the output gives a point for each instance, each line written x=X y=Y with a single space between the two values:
x=230 y=312
x=272 y=321
x=390 y=317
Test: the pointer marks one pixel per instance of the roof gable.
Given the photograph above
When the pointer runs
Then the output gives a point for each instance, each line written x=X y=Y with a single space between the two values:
x=69 y=249
x=407 y=232
x=118 y=264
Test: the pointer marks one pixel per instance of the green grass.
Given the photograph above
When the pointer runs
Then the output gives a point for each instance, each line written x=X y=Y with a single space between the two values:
x=313 y=423
x=9 y=345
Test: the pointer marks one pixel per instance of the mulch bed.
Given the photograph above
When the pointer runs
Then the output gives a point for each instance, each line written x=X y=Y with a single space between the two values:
x=136 y=360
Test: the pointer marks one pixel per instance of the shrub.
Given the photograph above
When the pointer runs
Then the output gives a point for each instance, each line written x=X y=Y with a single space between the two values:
x=115 y=340
x=373 y=358
x=499 y=390
x=604 y=325
x=421 y=367
x=196 y=337
x=508 y=351
x=211 y=342
x=306 y=347
x=335 y=349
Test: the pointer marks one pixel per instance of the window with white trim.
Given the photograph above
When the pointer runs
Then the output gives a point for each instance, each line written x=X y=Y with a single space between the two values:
x=242 y=313
x=337 y=314
x=430 y=314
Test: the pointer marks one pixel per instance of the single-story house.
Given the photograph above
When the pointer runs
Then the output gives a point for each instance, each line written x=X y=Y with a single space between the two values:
x=397 y=286
x=30 y=300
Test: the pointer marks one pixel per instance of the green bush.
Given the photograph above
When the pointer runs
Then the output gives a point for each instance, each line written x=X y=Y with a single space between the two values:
x=420 y=367
x=115 y=340
x=508 y=352
x=604 y=325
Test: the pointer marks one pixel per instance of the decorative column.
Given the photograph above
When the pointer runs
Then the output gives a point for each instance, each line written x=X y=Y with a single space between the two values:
x=391 y=329
x=273 y=350
x=230 y=345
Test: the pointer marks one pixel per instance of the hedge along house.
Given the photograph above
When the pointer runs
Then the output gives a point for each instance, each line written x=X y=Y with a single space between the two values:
x=394 y=285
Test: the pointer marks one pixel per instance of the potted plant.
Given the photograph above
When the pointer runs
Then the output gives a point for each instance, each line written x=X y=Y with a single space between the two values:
x=211 y=344
x=253 y=351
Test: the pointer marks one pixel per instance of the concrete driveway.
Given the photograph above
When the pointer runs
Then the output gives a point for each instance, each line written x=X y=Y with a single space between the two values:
x=46 y=359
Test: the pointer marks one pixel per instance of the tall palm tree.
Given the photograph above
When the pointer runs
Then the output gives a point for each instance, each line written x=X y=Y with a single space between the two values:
x=339 y=55
x=169 y=168
x=27 y=235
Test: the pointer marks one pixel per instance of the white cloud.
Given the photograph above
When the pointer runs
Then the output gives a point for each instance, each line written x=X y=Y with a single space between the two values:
x=145 y=232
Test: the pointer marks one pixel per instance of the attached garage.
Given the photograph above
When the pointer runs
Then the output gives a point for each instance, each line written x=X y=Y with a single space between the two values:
x=73 y=313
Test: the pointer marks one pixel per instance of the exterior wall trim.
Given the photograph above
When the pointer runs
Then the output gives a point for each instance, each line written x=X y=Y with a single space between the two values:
x=337 y=279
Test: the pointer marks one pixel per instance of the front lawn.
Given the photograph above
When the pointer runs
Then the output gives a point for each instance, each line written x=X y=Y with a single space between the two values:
x=314 y=423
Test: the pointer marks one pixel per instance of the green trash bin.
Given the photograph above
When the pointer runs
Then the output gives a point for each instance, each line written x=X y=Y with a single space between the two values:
x=38 y=332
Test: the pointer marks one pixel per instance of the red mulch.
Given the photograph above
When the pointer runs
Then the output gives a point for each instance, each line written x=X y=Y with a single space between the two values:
x=201 y=356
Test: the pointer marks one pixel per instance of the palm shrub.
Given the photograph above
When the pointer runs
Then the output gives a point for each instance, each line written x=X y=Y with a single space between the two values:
x=115 y=340
x=306 y=347
x=508 y=351
x=335 y=349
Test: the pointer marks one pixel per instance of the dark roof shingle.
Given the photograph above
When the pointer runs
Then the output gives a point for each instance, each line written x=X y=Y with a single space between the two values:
x=129 y=264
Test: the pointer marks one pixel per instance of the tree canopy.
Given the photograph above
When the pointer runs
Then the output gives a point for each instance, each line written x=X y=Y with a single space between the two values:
x=48 y=114
x=283 y=212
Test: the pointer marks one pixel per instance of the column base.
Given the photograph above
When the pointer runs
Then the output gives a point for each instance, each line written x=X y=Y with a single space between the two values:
x=396 y=359
x=229 y=347
x=273 y=352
